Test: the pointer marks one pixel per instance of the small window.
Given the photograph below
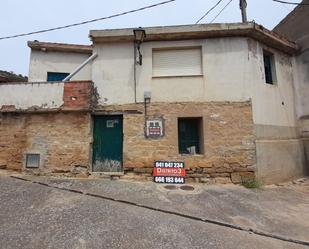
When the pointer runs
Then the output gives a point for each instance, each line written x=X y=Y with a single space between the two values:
x=269 y=67
x=177 y=62
x=54 y=76
x=32 y=160
x=190 y=135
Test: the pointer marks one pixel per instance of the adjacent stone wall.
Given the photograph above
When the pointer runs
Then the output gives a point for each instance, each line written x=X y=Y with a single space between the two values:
x=62 y=139
x=280 y=160
x=229 y=148
x=281 y=153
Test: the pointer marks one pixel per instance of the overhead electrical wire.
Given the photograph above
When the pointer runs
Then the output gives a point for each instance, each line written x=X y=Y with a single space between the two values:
x=285 y=2
x=208 y=11
x=221 y=11
x=89 y=21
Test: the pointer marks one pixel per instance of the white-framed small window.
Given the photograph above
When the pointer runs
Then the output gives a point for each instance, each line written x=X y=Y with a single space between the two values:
x=169 y=62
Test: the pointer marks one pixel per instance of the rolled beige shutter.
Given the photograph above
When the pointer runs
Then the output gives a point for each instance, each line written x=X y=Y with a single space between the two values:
x=177 y=62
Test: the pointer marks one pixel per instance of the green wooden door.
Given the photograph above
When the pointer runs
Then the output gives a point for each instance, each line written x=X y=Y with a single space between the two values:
x=107 y=143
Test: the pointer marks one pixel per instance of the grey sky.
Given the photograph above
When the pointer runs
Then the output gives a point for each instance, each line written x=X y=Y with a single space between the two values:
x=19 y=16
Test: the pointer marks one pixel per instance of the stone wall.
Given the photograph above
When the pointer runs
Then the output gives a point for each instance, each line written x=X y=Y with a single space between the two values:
x=229 y=148
x=62 y=139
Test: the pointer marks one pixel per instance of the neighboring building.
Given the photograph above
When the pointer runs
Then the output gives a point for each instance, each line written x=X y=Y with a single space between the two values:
x=295 y=27
x=219 y=97
x=54 y=61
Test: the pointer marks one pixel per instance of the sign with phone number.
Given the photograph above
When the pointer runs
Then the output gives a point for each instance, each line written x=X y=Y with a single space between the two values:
x=169 y=172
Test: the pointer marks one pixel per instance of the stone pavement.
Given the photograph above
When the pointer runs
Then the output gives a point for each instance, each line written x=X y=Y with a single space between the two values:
x=274 y=211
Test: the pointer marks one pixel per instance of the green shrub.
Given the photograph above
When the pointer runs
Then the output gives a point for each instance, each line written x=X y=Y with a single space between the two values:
x=250 y=182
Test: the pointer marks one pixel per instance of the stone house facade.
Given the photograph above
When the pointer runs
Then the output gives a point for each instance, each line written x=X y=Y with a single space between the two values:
x=218 y=97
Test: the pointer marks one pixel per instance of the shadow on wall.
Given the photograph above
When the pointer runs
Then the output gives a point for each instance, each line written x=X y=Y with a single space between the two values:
x=306 y=148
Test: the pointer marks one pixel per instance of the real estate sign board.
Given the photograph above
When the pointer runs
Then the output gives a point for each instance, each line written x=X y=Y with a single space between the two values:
x=169 y=172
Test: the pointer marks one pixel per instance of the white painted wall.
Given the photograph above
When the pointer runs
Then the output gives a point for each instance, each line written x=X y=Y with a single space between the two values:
x=272 y=104
x=24 y=96
x=42 y=62
x=301 y=79
x=232 y=71
x=112 y=72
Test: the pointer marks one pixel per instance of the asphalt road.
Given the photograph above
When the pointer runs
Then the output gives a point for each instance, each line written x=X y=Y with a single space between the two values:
x=35 y=216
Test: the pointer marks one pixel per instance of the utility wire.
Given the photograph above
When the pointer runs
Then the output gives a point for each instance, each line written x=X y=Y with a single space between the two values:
x=89 y=21
x=285 y=2
x=208 y=11
x=221 y=11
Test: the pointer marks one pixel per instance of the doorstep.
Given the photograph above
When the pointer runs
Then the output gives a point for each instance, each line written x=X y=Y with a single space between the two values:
x=106 y=174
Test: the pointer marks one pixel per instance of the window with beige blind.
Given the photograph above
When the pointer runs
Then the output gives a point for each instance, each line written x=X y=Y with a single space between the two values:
x=177 y=62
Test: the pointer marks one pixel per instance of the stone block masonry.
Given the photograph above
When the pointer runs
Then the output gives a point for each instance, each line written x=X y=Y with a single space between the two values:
x=61 y=139
x=227 y=134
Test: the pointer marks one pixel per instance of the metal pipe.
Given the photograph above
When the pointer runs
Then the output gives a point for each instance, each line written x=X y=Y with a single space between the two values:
x=145 y=118
x=135 y=71
x=243 y=6
x=92 y=57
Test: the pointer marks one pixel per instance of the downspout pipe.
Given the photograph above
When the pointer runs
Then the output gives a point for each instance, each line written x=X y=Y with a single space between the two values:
x=135 y=62
x=80 y=67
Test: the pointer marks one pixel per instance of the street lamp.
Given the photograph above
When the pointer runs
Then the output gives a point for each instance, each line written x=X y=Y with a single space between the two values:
x=139 y=35
x=147 y=97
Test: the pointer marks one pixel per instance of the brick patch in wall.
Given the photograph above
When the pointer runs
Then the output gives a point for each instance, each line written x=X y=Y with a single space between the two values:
x=77 y=95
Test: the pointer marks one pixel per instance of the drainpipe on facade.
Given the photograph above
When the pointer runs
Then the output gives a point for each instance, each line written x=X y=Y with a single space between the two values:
x=92 y=57
x=135 y=62
x=147 y=95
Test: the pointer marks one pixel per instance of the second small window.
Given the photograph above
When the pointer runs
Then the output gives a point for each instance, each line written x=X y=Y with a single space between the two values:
x=55 y=76
x=190 y=135
x=269 y=68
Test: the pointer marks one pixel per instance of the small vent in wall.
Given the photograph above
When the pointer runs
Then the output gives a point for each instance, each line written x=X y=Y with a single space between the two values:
x=32 y=160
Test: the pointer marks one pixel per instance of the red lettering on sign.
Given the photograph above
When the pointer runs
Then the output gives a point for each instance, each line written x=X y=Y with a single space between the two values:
x=169 y=172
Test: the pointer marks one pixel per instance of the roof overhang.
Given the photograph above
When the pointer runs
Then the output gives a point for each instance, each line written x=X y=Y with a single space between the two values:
x=199 y=31
x=60 y=47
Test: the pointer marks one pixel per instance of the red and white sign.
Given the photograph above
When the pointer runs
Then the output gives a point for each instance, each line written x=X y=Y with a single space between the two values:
x=169 y=172
x=154 y=128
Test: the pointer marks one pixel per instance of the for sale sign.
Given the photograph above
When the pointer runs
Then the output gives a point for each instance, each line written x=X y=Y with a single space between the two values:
x=169 y=172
